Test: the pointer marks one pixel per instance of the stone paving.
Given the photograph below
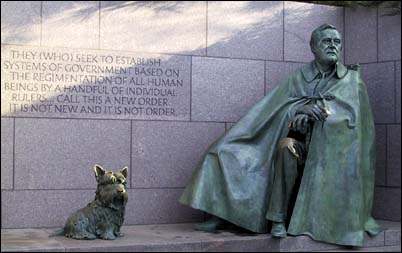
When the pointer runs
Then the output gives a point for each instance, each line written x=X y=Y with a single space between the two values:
x=182 y=237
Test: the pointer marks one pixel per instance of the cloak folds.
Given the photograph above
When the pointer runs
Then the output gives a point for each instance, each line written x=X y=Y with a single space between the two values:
x=335 y=197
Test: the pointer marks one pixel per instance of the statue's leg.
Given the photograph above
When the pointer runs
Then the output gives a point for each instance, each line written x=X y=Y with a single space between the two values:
x=285 y=175
x=211 y=225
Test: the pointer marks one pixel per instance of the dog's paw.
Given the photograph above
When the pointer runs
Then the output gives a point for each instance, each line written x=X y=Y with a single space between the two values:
x=108 y=236
x=119 y=234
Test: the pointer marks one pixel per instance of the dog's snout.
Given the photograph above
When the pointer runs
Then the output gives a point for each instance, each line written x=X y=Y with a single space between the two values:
x=121 y=190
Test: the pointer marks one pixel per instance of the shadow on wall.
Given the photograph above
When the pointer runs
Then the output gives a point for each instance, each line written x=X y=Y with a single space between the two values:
x=236 y=29
x=248 y=24
x=252 y=28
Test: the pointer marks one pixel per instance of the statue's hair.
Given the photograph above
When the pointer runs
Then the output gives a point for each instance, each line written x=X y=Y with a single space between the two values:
x=316 y=33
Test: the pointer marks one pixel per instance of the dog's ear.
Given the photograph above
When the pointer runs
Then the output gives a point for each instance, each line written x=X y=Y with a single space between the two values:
x=99 y=171
x=124 y=171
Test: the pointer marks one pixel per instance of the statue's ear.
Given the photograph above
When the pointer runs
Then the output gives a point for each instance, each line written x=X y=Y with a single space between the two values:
x=124 y=171
x=99 y=171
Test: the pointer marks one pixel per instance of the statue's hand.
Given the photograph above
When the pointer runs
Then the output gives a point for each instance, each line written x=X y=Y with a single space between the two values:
x=299 y=123
x=314 y=111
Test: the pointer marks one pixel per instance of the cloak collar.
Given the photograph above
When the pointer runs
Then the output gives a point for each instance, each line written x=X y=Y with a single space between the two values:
x=310 y=71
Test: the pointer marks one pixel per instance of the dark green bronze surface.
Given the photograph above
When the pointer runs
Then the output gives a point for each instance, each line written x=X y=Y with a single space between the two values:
x=104 y=216
x=334 y=201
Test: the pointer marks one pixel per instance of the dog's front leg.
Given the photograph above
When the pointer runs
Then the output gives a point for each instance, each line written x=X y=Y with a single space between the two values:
x=108 y=234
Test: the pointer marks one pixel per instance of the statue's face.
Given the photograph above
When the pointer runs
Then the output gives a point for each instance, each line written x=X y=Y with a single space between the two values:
x=328 y=48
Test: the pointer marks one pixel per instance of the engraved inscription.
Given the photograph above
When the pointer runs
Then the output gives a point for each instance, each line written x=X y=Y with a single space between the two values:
x=52 y=82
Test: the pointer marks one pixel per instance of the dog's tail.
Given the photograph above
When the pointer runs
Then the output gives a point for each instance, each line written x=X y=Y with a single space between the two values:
x=58 y=232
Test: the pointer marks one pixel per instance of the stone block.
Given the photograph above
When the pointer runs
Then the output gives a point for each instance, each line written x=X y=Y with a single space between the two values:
x=51 y=208
x=176 y=237
x=387 y=204
x=7 y=156
x=381 y=152
x=392 y=233
x=300 y=20
x=389 y=36
x=275 y=72
x=380 y=82
x=29 y=240
x=246 y=244
x=246 y=29
x=166 y=154
x=398 y=91
x=225 y=89
x=21 y=22
x=393 y=238
x=394 y=155
x=77 y=83
x=360 y=25
x=61 y=153
x=41 y=208
x=163 y=27
x=142 y=238
x=304 y=243
x=158 y=206
x=375 y=241
x=139 y=247
x=70 y=24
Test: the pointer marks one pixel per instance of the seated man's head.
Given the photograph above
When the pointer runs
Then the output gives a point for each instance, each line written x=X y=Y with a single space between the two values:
x=326 y=44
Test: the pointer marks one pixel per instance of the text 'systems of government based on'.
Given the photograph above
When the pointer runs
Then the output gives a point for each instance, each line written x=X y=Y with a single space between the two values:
x=80 y=84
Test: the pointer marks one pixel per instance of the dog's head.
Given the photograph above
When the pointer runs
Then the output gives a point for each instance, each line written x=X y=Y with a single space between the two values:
x=112 y=187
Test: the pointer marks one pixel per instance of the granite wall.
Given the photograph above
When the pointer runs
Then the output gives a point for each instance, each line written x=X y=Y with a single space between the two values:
x=198 y=67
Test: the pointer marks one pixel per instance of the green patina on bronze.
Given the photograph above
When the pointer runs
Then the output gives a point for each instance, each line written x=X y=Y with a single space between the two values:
x=104 y=216
x=334 y=201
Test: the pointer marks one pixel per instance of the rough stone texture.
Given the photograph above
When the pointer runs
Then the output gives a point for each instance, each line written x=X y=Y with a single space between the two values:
x=392 y=233
x=398 y=91
x=300 y=20
x=44 y=208
x=165 y=154
x=380 y=81
x=394 y=155
x=71 y=148
x=70 y=24
x=246 y=29
x=360 y=25
x=374 y=241
x=275 y=72
x=178 y=237
x=225 y=89
x=35 y=240
x=381 y=152
x=21 y=22
x=389 y=36
x=158 y=206
x=163 y=27
x=256 y=243
x=57 y=157
x=304 y=243
x=7 y=145
x=393 y=238
x=64 y=99
x=386 y=204
x=51 y=208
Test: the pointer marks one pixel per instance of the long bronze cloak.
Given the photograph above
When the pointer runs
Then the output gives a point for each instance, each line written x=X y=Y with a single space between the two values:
x=335 y=197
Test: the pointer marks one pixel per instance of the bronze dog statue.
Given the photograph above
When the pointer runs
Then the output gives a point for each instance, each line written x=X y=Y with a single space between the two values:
x=103 y=217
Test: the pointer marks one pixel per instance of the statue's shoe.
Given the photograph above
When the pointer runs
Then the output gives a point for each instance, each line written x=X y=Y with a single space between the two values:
x=211 y=225
x=278 y=230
